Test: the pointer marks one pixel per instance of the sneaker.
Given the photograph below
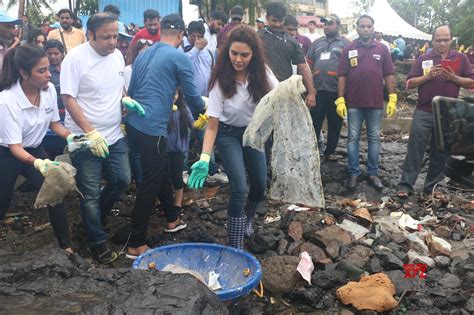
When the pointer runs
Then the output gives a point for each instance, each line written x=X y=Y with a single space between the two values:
x=103 y=254
x=217 y=178
x=185 y=177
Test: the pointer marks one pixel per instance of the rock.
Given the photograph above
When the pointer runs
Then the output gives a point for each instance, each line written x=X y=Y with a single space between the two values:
x=434 y=275
x=368 y=242
x=415 y=258
x=441 y=302
x=374 y=265
x=329 y=234
x=359 y=255
x=293 y=248
x=282 y=245
x=336 y=212
x=295 y=230
x=364 y=216
x=265 y=238
x=457 y=299
x=352 y=271
x=401 y=283
x=468 y=281
x=309 y=296
x=459 y=253
x=329 y=279
x=332 y=248
x=374 y=292
x=49 y=281
x=442 y=261
x=389 y=260
x=450 y=281
x=220 y=215
x=279 y=273
x=357 y=231
x=470 y=304
x=316 y=253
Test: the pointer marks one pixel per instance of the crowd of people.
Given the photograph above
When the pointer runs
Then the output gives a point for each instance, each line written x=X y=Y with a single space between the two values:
x=134 y=111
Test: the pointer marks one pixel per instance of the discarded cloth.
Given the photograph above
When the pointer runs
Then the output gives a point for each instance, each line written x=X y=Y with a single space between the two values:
x=295 y=157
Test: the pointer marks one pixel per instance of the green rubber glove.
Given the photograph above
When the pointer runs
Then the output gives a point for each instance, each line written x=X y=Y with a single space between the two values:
x=199 y=172
x=133 y=105
x=43 y=166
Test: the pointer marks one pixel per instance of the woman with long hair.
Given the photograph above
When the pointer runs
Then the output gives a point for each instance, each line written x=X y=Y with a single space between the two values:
x=27 y=108
x=238 y=82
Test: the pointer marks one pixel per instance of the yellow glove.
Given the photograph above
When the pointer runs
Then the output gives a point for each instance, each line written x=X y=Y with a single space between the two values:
x=392 y=105
x=99 y=146
x=43 y=166
x=201 y=122
x=175 y=108
x=341 y=108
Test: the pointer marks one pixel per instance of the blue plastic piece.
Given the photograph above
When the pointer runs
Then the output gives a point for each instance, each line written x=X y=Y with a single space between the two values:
x=228 y=262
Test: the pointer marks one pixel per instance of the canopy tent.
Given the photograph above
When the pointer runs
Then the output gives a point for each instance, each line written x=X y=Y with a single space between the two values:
x=390 y=23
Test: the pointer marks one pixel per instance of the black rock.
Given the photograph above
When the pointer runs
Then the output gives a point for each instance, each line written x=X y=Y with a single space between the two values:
x=457 y=299
x=401 y=283
x=352 y=271
x=336 y=212
x=374 y=265
x=264 y=239
x=329 y=279
x=441 y=302
x=434 y=275
x=390 y=261
x=308 y=296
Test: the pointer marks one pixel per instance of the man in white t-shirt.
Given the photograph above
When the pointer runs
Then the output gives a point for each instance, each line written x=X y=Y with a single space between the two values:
x=92 y=87
x=217 y=21
x=312 y=35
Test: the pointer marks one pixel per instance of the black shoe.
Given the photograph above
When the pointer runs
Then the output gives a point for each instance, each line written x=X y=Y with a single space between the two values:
x=352 y=182
x=375 y=181
x=103 y=254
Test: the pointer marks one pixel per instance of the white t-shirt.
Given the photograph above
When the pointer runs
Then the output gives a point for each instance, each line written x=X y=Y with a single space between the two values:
x=211 y=40
x=127 y=75
x=313 y=36
x=97 y=84
x=23 y=123
x=238 y=110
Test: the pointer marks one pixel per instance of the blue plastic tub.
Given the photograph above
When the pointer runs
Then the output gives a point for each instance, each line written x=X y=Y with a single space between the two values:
x=228 y=262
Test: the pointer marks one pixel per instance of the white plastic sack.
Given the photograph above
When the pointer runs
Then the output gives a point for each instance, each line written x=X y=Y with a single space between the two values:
x=295 y=155
x=305 y=266
x=59 y=181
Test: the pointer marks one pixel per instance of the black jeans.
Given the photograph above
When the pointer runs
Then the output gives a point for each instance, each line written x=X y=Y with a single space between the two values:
x=325 y=107
x=9 y=172
x=176 y=160
x=156 y=182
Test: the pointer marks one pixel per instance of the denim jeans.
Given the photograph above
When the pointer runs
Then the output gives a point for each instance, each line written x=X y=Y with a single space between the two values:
x=421 y=135
x=355 y=118
x=236 y=159
x=95 y=202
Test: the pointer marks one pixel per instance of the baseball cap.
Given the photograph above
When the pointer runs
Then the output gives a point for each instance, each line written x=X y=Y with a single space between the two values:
x=5 y=18
x=173 y=22
x=331 y=18
x=237 y=12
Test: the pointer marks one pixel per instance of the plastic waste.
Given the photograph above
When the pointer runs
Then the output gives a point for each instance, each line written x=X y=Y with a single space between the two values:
x=305 y=266
x=213 y=282
x=357 y=231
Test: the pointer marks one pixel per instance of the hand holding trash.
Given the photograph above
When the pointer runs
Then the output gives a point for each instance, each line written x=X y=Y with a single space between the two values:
x=199 y=172
x=77 y=142
x=133 y=105
x=43 y=166
x=341 y=107
x=99 y=146
x=392 y=105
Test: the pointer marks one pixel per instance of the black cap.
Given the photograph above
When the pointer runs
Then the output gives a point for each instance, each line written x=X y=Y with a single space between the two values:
x=173 y=22
x=330 y=19
x=237 y=12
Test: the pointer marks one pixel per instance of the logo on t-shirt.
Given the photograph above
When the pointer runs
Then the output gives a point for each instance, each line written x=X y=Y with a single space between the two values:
x=121 y=73
x=48 y=110
x=376 y=57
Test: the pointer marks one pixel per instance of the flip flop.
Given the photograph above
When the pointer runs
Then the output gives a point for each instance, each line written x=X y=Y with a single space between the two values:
x=402 y=194
x=181 y=225
x=133 y=257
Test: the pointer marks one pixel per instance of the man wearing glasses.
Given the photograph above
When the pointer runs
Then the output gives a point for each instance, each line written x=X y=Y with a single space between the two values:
x=440 y=72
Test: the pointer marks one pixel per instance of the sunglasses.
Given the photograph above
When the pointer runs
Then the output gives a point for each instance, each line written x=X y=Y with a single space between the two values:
x=145 y=41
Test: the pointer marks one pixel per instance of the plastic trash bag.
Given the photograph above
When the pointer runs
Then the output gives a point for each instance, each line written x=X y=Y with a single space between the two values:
x=59 y=181
x=295 y=155
x=305 y=266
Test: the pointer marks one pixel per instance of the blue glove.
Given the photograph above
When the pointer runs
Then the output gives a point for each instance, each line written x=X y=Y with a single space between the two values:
x=199 y=172
x=133 y=105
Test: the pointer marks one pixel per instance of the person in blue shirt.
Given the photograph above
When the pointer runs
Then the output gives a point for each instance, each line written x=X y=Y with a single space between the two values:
x=401 y=44
x=157 y=73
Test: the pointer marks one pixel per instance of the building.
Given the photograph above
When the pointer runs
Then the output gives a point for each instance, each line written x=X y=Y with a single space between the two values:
x=309 y=7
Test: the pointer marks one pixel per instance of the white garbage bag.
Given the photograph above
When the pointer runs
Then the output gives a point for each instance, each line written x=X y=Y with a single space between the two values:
x=295 y=156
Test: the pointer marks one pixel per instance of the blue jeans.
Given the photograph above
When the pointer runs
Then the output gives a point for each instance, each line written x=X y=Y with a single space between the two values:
x=236 y=159
x=355 y=118
x=95 y=202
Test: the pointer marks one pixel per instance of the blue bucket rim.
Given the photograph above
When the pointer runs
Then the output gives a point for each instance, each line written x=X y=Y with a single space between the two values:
x=224 y=295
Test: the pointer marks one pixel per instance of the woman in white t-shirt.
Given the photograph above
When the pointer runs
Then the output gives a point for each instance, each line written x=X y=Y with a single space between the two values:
x=239 y=80
x=27 y=108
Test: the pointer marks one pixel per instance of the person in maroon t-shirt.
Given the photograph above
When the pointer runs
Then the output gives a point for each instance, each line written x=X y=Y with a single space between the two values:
x=432 y=79
x=151 y=30
x=236 y=16
x=291 y=27
x=363 y=67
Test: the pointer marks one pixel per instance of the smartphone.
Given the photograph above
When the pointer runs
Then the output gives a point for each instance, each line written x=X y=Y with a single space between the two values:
x=454 y=125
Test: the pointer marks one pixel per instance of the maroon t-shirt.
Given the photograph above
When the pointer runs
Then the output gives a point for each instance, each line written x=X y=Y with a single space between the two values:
x=143 y=33
x=438 y=86
x=304 y=41
x=365 y=67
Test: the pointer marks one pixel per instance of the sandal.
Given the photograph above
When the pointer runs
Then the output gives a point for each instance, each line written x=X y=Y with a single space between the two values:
x=135 y=256
x=180 y=226
x=402 y=194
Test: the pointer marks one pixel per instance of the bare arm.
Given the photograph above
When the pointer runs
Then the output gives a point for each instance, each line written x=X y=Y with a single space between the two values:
x=59 y=129
x=464 y=82
x=210 y=135
x=76 y=113
x=341 y=86
x=21 y=154
x=390 y=81
x=303 y=68
x=16 y=42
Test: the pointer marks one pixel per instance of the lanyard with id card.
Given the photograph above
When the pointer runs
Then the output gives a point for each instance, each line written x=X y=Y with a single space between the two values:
x=353 y=57
x=325 y=55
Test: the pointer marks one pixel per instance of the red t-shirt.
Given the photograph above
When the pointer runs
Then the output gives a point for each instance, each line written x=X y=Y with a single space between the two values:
x=143 y=33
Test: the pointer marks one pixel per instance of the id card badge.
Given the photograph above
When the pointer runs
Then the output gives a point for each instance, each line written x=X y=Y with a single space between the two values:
x=354 y=62
x=426 y=66
x=325 y=55
x=353 y=53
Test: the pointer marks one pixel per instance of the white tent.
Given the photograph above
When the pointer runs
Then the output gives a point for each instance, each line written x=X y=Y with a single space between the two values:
x=390 y=23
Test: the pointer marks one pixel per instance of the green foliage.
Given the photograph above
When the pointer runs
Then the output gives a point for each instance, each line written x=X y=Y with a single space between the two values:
x=88 y=7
